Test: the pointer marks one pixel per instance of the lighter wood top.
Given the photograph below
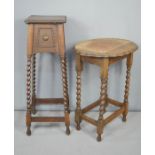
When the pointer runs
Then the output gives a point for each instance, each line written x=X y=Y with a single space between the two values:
x=36 y=19
x=105 y=47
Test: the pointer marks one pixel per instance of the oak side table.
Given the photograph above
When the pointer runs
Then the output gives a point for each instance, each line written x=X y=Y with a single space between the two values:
x=45 y=34
x=103 y=52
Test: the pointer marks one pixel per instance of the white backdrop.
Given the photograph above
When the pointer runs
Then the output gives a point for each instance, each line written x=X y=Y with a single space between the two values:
x=86 y=19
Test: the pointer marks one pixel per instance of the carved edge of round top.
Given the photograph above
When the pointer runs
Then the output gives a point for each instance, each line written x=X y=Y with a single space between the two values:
x=108 y=53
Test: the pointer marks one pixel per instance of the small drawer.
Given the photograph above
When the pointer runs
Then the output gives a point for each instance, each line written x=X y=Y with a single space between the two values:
x=45 y=38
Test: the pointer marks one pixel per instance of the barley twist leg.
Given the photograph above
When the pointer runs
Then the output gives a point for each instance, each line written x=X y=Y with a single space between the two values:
x=127 y=84
x=65 y=93
x=103 y=98
x=78 y=91
x=29 y=97
x=34 y=84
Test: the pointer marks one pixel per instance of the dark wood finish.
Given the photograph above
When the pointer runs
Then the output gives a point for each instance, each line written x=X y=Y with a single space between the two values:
x=103 y=52
x=45 y=34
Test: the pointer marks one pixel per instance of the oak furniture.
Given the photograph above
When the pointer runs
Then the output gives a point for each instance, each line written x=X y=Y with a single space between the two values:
x=45 y=34
x=103 y=52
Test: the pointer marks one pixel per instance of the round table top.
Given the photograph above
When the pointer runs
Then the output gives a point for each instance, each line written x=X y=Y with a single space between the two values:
x=105 y=47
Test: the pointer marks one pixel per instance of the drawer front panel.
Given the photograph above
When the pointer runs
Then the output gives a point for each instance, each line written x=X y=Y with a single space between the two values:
x=45 y=38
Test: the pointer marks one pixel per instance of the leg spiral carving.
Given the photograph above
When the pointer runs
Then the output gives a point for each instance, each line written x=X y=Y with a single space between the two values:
x=65 y=84
x=103 y=98
x=29 y=97
x=34 y=74
x=65 y=67
x=28 y=82
x=78 y=100
x=65 y=93
x=126 y=94
x=106 y=103
x=127 y=83
x=34 y=84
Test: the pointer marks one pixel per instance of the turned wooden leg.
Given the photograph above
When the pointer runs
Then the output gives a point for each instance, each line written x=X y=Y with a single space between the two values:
x=34 y=84
x=29 y=98
x=127 y=84
x=78 y=98
x=65 y=67
x=103 y=95
x=106 y=103
x=78 y=92
x=65 y=93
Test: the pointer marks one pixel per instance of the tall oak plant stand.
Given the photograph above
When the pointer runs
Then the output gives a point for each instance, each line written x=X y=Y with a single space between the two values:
x=45 y=34
x=103 y=52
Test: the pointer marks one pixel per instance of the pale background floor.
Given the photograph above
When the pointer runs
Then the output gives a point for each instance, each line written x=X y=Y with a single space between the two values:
x=50 y=138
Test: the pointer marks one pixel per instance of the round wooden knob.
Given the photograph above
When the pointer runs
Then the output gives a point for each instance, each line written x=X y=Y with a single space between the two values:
x=45 y=38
